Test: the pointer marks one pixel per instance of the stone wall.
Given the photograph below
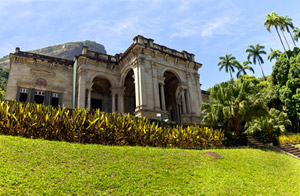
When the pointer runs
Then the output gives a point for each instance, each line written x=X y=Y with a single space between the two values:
x=25 y=69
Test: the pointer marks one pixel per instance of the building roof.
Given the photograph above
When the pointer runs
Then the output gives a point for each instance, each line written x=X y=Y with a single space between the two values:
x=44 y=57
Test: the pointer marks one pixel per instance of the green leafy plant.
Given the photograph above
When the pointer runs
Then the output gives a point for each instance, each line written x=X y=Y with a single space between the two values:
x=231 y=105
x=270 y=127
x=82 y=126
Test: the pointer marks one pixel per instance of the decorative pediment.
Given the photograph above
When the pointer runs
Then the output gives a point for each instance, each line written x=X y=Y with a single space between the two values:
x=41 y=71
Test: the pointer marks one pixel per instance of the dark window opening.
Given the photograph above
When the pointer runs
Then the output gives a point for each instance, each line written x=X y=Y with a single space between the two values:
x=96 y=104
x=23 y=97
x=159 y=92
x=116 y=102
x=39 y=99
x=54 y=101
x=171 y=115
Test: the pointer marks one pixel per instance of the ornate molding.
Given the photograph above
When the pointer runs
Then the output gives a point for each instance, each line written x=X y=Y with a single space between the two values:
x=42 y=71
x=166 y=57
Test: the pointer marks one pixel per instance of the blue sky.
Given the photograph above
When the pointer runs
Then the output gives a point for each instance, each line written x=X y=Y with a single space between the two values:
x=207 y=28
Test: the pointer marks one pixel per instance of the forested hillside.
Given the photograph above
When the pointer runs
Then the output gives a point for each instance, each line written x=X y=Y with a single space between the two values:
x=66 y=50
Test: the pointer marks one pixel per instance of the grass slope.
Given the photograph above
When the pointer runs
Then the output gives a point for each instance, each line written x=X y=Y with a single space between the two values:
x=37 y=167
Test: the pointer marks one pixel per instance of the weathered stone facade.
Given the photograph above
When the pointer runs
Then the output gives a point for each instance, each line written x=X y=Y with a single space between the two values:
x=145 y=80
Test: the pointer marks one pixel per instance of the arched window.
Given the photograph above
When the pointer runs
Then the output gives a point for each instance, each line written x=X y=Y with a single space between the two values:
x=41 y=82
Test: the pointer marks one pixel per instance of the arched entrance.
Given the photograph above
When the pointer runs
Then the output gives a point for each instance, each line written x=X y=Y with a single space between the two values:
x=129 y=94
x=172 y=105
x=101 y=95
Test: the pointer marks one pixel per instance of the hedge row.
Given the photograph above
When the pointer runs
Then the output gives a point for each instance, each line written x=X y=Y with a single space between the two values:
x=82 y=126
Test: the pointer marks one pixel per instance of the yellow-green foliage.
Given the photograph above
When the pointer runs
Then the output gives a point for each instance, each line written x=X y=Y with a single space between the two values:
x=292 y=139
x=40 y=121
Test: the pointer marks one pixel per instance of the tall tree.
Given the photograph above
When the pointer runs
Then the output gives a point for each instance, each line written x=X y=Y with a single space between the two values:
x=287 y=22
x=296 y=32
x=229 y=62
x=271 y=21
x=281 y=21
x=243 y=68
x=275 y=54
x=255 y=53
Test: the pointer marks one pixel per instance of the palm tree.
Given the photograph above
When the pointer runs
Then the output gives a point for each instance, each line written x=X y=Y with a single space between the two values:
x=281 y=22
x=275 y=54
x=229 y=62
x=287 y=22
x=271 y=21
x=243 y=68
x=255 y=53
x=232 y=104
x=296 y=32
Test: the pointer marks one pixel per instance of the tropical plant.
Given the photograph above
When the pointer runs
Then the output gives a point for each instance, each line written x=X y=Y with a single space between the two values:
x=291 y=139
x=255 y=53
x=287 y=23
x=286 y=79
x=4 y=72
x=82 y=126
x=275 y=54
x=243 y=68
x=269 y=127
x=296 y=32
x=232 y=104
x=281 y=21
x=272 y=21
x=2 y=94
x=228 y=62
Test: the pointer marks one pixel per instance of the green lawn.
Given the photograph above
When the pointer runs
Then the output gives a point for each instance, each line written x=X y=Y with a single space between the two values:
x=38 y=167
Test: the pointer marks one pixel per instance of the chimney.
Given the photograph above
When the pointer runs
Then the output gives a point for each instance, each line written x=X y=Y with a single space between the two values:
x=17 y=50
x=84 y=50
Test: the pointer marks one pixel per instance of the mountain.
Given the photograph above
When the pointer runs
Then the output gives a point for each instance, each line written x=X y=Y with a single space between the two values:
x=66 y=50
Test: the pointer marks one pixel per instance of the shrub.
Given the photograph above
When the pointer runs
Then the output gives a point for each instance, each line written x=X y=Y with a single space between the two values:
x=82 y=126
x=270 y=127
x=292 y=139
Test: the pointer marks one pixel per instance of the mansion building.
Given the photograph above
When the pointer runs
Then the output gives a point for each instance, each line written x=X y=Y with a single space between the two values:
x=145 y=80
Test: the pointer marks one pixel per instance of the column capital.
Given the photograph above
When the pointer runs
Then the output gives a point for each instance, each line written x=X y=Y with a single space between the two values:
x=160 y=79
x=89 y=85
x=117 y=90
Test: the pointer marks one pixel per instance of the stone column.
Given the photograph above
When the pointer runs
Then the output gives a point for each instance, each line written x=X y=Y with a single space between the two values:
x=197 y=77
x=188 y=99
x=113 y=99
x=183 y=102
x=162 y=92
x=89 y=98
x=142 y=84
x=137 y=89
x=121 y=99
x=155 y=87
x=89 y=88
x=81 y=89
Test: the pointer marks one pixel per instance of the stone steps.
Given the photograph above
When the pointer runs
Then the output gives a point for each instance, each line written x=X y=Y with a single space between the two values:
x=287 y=148
x=254 y=143
x=290 y=149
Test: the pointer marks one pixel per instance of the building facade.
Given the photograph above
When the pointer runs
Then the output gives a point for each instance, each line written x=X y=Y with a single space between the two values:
x=145 y=80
